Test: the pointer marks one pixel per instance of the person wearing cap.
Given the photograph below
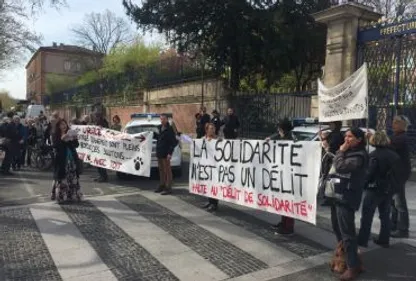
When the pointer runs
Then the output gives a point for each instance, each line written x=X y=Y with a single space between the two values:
x=400 y=212
x=349 y=177
x=284 y=132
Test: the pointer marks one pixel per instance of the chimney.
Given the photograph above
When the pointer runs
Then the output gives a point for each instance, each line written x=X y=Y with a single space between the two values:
x=54 y=44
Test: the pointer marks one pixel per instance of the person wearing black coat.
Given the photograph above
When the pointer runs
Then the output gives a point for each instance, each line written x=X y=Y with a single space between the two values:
x=165 y=145
x=216 y=120
x=287 y=224
x=11 y=148
x=66 y=165
x=349 y=176
x=383 y=169
x=231 y=125
x=100 y=121
x=400 y=211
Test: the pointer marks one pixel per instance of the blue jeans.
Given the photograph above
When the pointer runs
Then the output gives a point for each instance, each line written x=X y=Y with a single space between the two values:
x=372 y=201
x=343 y=224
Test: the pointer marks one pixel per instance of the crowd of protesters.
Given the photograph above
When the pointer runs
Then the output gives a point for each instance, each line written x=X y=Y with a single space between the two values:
x=373 y=180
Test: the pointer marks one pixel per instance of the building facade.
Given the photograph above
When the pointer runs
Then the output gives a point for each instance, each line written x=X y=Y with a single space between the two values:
x=62 y=63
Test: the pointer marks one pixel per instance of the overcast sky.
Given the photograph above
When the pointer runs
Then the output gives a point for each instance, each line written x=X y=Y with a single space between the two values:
x=54 y=26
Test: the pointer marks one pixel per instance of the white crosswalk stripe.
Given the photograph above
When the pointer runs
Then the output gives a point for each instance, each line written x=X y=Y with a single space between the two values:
x=168 y=229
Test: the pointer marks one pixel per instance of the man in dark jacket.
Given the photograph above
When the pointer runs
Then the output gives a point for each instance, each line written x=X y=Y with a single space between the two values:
x=166 y=143
x=100 y=121
x=216 y=121
x=400 y=212
x=11 y=148
x=205 y=118
x=231 y=125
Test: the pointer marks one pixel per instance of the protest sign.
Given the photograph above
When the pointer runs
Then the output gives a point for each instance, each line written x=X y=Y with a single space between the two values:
x=275 y=176
x=108 y=149
x=346 y=101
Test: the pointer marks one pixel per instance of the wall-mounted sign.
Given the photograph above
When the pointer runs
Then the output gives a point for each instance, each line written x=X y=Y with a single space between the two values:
x=392 y=29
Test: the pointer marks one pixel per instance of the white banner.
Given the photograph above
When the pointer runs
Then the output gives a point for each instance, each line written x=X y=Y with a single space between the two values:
x=277 y=176
x=116 y=151
x=346 y=101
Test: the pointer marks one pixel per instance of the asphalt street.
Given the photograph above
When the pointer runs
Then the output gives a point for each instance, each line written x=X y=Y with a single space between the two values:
x=124 y=231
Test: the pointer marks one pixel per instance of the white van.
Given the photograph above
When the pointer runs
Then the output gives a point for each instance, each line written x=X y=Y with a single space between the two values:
x=34 y=110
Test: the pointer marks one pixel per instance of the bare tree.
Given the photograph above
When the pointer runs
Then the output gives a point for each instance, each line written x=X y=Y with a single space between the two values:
x=102 y=31
x=392 y=9
x=15 y=36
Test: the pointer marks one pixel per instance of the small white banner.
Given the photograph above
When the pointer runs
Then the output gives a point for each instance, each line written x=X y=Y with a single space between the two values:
x=279 y=177
x=115 y=151
x=346 y=101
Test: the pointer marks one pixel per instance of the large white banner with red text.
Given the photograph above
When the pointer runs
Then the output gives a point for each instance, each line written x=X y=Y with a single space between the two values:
x=112 y=150
x=275 y=176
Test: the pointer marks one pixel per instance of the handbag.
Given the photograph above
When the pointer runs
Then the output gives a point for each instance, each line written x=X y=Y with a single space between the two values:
x=335 y=185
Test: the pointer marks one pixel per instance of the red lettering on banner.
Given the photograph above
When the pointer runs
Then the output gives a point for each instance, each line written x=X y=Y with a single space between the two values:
x=248 y=197
x=214 y=190
x=230 y=192
x=115 y=165
x=92 y=131
x=100 y=162
x=199 y=188
x=286 y=206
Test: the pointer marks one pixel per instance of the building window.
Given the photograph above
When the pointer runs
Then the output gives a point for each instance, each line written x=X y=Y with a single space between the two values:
x=67 y=65
x=78 y=66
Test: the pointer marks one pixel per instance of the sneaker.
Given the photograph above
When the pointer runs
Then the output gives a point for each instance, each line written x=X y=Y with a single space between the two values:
x=159 y=189
x=212 y=208
x=166 y=192
x=206 y=205
x=277 y=226
x=284 y=231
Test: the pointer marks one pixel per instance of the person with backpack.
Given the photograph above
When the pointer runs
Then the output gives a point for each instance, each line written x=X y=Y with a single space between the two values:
x=380 y=184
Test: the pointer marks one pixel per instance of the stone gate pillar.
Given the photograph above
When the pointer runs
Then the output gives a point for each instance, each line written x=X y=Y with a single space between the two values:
x=341 y=41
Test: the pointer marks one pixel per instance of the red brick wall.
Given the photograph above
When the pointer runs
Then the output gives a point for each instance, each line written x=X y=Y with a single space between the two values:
x=183 y=114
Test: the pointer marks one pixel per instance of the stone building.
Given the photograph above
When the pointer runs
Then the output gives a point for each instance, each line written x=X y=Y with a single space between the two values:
x=64 y=61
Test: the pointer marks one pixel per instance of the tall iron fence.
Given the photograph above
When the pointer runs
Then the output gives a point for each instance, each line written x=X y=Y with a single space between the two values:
x=126 y=85
x=259 y=112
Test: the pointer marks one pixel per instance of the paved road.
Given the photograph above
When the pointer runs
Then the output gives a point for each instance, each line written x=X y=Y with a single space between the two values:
x=124 y=231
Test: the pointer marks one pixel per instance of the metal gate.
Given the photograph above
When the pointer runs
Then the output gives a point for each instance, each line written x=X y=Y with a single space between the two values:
x=389 y=49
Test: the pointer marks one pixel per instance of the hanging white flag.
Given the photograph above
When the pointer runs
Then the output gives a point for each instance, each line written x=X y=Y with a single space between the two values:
x=346 y=101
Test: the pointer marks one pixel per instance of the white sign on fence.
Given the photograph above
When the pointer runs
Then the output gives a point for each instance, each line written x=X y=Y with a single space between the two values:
x=116 y=151
x=275 y=176
x=346 y=101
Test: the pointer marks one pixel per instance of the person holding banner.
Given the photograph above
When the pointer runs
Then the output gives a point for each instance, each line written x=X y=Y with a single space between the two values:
x=166 y=143
x=284 y=127
x=210 y=135
x=348 y=178
x=66 y=160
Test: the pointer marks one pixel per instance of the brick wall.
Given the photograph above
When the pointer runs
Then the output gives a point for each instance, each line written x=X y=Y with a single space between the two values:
x=183 y=114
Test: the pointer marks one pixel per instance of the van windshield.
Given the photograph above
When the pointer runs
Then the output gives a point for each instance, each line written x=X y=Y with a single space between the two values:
x=141 y=129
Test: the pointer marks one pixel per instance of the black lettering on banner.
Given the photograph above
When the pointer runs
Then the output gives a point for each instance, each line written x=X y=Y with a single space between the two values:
x=301 y=177
x=246 y=151
x=282 y=152
x=218 y=148
x=266 y=149
x=202 y=172
x=270 y=179
x=294 y=153
x=226 y=174
x=248 y=176
x=131 y=147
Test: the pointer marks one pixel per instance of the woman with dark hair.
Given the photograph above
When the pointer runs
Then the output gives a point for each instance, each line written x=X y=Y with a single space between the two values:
x=284 y=132
x=210 y=135
x=116 y=126
x=348 y=177
x=66 y=164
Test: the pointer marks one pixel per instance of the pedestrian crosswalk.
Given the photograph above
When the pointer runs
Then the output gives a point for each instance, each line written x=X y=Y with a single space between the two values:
x=145 y=236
